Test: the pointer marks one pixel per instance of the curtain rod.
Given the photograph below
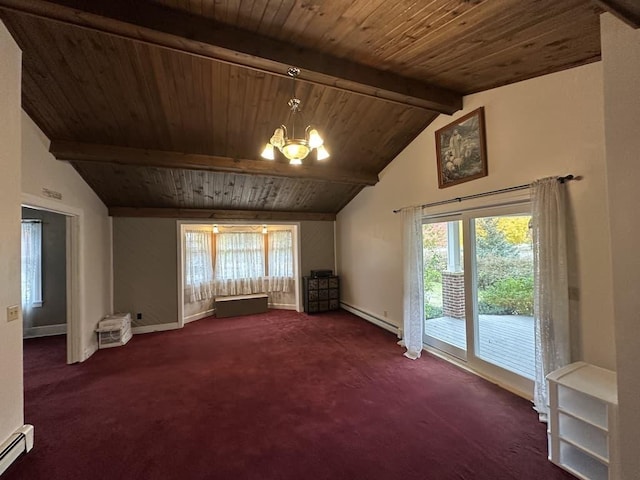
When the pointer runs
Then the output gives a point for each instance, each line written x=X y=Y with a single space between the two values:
x=566 y=178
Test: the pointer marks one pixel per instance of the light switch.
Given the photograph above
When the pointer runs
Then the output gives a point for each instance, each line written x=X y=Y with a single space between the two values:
x=13 y=313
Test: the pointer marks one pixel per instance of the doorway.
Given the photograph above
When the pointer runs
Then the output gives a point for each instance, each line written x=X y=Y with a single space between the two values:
x=72 y=219
x=478 y=289
x=44 y=275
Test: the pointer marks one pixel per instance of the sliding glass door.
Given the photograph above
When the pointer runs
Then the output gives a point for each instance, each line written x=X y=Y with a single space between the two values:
x=444 y=287
x=504 y=301
x=478 y=285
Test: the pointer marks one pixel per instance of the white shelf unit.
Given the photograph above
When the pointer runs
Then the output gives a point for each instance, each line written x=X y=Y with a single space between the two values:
x=583 y=402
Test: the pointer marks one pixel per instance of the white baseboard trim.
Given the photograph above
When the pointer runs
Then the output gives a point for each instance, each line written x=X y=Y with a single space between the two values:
x=197 y=316
x=21 y=441
x=161 y=327
x=464 y=366
x=45 y=331
x=370 y=318
x=90 y=350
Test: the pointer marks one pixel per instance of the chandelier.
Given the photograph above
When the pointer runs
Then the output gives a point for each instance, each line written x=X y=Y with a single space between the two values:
x=295 y=148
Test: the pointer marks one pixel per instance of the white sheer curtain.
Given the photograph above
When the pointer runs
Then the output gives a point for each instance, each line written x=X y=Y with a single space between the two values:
x=31 y=263
x=198 y=266
x=240 y=263
x=280 y=277
x=551 y=295
x=413 y=287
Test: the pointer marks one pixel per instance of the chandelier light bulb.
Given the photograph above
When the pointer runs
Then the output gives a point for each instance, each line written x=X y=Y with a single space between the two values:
x=268 y=152
x=295 y=150
x=322 y=153
x=315 y=140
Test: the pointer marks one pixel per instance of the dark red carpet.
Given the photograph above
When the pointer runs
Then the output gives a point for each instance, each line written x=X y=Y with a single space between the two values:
x=280 y=395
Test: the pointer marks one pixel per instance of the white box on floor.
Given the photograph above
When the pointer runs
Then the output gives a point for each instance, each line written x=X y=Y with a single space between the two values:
x=114 y=330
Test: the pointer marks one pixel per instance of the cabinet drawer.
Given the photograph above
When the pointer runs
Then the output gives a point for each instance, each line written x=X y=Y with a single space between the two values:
x=313 y=295
x=323 y=294
x=333 y=282
x=323 y=305
x=334 y=293
x=313 y=283
x=323 y=283
x=313 y=307
x=587 y=436
x=334 y=304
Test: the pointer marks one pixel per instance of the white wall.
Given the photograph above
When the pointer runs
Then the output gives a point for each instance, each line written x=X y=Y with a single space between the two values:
x=40 y=170
x=11 y=399
x=621 y=62
x=552 y=125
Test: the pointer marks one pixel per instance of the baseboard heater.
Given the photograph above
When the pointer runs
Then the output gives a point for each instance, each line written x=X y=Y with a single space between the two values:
x=17 y=444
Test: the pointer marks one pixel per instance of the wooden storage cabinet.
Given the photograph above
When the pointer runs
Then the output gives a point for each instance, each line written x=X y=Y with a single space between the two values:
x=321 y=294
x=583 y=403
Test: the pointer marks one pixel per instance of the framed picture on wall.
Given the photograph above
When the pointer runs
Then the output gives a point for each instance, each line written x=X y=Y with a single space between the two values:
x=461 y=150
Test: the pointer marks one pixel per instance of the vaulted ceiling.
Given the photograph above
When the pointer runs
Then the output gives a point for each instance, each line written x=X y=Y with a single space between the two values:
x=164 y=106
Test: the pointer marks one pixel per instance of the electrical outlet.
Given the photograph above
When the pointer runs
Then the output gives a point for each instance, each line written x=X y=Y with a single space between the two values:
x=385 y=314
x=138 y=316
x=13 y=313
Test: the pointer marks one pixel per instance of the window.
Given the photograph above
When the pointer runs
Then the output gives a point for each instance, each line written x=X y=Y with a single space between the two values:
x=31 y=264
x=239 y=256
x=280 y=253
x=237 y=260
x=198 y=265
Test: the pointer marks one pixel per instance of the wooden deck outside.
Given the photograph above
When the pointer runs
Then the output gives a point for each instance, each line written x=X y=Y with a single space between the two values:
x=504 y=340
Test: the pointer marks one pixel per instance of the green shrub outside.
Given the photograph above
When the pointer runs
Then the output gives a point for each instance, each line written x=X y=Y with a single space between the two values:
x=434 y=264
x=492 y=269
x=431 y=311
x=509 y=296
x=485 y=308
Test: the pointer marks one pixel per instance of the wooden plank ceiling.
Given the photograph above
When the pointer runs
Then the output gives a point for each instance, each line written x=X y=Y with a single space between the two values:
x=164 y=106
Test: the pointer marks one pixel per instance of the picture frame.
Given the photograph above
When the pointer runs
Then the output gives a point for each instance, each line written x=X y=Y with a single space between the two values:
x=461 y=150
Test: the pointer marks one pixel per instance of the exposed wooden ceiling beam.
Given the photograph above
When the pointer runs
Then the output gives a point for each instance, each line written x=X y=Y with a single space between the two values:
x=157 y=25
x=209 y=214
x=89 y=152
x=626 y=10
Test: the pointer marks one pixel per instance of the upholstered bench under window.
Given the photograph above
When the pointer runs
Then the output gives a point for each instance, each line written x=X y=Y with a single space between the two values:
x=232 y=306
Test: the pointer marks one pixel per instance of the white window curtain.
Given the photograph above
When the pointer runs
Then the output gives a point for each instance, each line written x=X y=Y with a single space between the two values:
x=198 y=266
x=240 y=265
x=31 y=265
x=280 y=250
x=551 y=294
x=413 y=287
